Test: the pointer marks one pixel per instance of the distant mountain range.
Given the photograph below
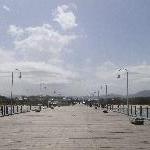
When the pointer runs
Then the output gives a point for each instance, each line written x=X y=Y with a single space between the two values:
x=144 y=93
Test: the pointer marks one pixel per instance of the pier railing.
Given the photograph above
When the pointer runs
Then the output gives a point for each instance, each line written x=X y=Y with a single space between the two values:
x=5 y=110
x=134 y=110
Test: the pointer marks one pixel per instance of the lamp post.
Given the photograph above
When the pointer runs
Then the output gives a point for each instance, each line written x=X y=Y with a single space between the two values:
x=98 y=94
x=12 y=82
x=106 y=89
x=127 y=96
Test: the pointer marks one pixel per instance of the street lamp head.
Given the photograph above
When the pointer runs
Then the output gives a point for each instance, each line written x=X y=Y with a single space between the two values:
x=121 y=69
x=118 y=76
x=20 y=75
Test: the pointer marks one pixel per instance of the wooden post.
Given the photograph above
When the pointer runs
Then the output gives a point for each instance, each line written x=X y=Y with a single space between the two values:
x=13 y=109
x=21 y=109
x=2 y=111
x=131 y=110
x=6 y=112
x=118 y=107
x=140 y=110
x=17 y=109
x=30 y=107
x=135 y=110
x=147 y=112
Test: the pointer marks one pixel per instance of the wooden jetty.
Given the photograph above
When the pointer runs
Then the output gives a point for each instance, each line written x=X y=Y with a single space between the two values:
x=72 y=128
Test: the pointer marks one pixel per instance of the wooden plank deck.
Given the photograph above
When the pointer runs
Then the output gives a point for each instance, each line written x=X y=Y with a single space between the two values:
x=72 y=128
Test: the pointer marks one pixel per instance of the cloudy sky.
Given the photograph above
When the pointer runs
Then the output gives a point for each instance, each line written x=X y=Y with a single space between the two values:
x=74 y=47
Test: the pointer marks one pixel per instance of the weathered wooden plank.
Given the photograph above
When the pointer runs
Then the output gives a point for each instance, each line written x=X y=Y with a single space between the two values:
x=72 y=128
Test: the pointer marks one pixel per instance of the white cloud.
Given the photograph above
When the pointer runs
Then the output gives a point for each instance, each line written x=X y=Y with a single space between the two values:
x=34 y=71
x=65 y=17
x=38 y=51
x=106 y=71
x=6 y=56
x=15 y=31
x=6 y=8
x=40 y=42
